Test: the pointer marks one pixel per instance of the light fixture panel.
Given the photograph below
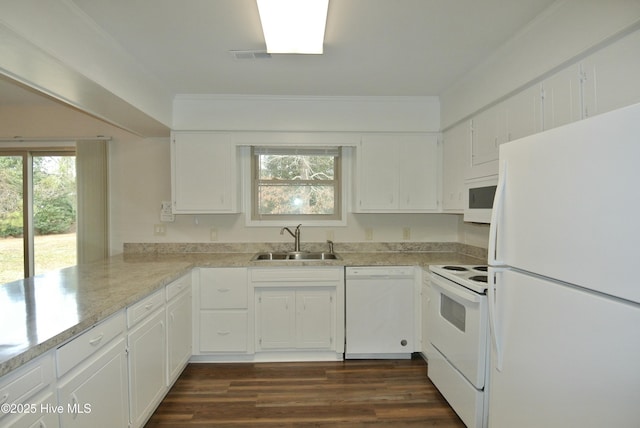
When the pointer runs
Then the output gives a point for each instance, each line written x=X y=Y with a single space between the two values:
x=293 y=26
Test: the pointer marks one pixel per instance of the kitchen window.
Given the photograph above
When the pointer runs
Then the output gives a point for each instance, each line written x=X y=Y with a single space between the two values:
x=296 y=183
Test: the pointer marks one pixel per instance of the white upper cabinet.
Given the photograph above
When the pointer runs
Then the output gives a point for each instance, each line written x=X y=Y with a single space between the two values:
x=455 y=159
x=516 y=117
x=397 y=173
x=203 y=173
x=485 y=136
x=562 y=97
x=611 y=76
x=523 y=113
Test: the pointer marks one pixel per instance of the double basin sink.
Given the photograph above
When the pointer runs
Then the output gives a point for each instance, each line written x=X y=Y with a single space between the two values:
x=295 y=255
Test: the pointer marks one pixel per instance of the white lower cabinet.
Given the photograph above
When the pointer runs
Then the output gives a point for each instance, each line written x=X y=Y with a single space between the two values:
x=147 y=366
x=92 y=382
x=179 y=322
x=222 y=319
x=296 y=318
x=298 y=311
x=95 y=394
x=30 y=394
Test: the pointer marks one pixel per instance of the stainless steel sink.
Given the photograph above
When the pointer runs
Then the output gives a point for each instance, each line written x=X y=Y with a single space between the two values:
x=295 y=255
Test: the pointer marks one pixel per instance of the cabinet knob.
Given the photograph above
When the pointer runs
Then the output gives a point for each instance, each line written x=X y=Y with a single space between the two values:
x=403 y=342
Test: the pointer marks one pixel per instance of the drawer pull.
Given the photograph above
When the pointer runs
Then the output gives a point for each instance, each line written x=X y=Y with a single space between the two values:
x=148 y=306
x=223 y=290
x=74 y=405
x=224 y=333
x=5 y=397
x=96 y=341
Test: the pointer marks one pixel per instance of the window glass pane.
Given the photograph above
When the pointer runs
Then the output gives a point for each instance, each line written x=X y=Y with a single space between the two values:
x=11 y=240
x=286 y=199
x=296 y=167
x=54 y=211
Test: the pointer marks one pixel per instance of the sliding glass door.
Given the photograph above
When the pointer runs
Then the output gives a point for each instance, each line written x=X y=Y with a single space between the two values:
x=38 y=206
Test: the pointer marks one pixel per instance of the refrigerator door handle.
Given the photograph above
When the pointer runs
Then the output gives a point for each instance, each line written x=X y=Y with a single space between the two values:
x=496 y=218
x=493 y=322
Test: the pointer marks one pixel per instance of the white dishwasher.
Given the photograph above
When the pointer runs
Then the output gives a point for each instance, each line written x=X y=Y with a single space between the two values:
x=379 y=306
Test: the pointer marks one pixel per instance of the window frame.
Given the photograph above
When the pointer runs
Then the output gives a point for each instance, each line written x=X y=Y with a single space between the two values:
x=339 y=186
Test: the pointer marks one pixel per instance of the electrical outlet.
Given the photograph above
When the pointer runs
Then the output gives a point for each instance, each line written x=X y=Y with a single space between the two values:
x=406 y=233
x=213 y=234
x=159 y=230
x=330 y=235
x=166 y=213
x=368 y=234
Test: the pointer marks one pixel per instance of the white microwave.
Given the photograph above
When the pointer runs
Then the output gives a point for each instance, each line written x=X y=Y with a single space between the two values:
x=479 y=194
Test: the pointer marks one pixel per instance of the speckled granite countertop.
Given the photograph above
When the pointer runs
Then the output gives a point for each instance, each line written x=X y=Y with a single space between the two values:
x=41 y=313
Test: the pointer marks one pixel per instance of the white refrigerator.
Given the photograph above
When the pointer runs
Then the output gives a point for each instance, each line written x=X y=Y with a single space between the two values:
x=564 y=277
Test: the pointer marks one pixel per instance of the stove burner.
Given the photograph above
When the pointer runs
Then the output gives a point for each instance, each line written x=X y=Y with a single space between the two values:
x=480 y=268
x=479 y=278
x=455 y=268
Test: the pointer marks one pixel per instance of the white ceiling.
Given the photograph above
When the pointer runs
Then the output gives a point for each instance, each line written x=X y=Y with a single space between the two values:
x=372 y=47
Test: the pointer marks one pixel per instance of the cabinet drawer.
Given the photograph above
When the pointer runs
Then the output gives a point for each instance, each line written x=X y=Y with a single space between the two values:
x=23 y=383
x=178 y=286
x=223 y=296
x=144 y=307
x=223 y=331
x=72 y=353
x=295 y=275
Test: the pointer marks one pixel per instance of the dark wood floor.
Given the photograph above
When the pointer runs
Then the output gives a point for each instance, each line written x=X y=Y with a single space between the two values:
x=354 y=393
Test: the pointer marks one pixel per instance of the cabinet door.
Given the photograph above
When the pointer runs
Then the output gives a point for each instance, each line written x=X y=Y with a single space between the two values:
x=223 y=288
x=147 y=366
x=611 y=76
x=315 y=316
x=397 y=173
x=484 y=143
x=179 y=321
x=203 y=173
x=36 y=418
x=377 y=174
x=96 y=396
x=276 y=319
x=223 y=331
x=455 y=159
x=561 y=98
x=524 y=113
x=418 y=173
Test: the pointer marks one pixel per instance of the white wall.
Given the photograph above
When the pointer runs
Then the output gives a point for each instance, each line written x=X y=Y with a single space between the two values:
x=306 y=113
x=141 y=179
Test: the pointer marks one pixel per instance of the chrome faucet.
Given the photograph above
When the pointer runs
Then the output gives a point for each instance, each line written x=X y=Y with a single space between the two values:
x=296 y=236
x=330 y=242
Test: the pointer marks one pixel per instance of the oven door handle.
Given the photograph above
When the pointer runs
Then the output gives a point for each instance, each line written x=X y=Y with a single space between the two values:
x=450 y=288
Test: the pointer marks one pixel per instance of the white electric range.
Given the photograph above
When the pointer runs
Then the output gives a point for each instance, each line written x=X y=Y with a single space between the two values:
x=458 y=333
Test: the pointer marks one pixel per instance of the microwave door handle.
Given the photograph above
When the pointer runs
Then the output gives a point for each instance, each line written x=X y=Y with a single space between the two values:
x=496 y=218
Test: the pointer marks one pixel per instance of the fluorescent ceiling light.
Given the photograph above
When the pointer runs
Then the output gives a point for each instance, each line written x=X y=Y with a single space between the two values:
x=293 y=26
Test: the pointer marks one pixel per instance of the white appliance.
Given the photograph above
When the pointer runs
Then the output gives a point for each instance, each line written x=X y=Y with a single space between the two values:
x=564 y=288
x=379 y=318
x=479 y=196
x=458 y=333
